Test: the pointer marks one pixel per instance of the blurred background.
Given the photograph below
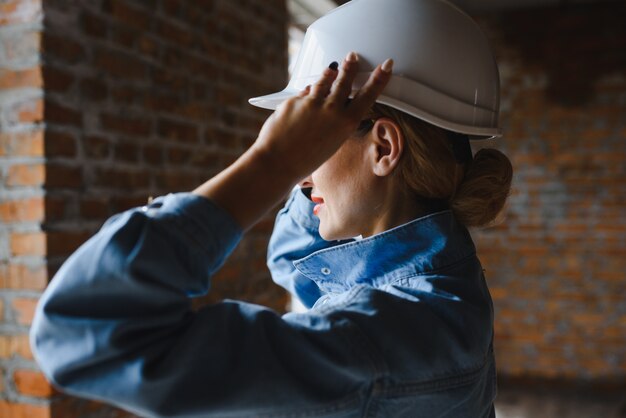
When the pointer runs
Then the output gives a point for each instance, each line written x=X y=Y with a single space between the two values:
x=104 y=103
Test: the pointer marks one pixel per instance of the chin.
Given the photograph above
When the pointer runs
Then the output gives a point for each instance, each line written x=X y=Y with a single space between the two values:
x=328 y=234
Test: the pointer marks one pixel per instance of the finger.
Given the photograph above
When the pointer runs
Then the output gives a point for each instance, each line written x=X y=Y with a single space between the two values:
x=305 y=92
x=321 y=89
x=376 y=83
x=342 y=87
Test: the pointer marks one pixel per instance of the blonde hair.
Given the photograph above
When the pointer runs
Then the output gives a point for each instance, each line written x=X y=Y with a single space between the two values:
x=475 y=191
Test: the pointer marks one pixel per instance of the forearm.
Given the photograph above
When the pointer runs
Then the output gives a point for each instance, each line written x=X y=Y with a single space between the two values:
x=304 y=132
x=250 y=187
x=123 y=297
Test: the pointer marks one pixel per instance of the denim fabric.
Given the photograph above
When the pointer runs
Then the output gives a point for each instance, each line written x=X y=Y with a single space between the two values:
x=400 y=324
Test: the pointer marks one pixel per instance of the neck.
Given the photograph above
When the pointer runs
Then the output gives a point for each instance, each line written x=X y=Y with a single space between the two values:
x=396 y=208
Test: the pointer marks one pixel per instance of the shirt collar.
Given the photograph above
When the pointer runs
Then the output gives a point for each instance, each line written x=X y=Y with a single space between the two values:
x=420 y=246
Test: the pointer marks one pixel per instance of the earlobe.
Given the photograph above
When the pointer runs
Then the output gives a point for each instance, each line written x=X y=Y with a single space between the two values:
x=388 y=144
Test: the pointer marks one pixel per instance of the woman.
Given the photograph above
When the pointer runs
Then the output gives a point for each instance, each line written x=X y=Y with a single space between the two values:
x=401 y=324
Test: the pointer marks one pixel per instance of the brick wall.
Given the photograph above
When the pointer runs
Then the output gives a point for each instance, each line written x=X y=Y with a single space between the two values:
x=133 y=99
x=103 y=104
x=557 y=266
x=23 y=270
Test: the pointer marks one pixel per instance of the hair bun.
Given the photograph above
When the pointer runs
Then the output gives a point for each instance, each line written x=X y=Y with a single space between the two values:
x=485 y=187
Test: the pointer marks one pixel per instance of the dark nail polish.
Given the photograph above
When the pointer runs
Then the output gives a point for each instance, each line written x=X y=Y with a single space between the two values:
x=334 y=65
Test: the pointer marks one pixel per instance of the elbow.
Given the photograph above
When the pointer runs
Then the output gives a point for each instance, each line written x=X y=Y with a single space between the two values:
x=43 y=349
x=56 y=346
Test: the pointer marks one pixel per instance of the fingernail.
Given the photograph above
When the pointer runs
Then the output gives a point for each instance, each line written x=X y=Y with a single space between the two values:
x=352 y=57
x=334 y=65
x=387 y=65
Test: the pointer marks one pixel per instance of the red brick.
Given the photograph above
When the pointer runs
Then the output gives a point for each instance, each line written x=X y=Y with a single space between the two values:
x=93 y=25
x=97 y=147
x=30 y=111
x=32 y=383
x=179 y=131
x=201 y=67
x=228 y=96
x=122 y=203
x=56 y=79
x=148 y=46
x=178 y=156
x=20 y=410
x=225 y=139
x=168 y=79
x=62 y=176
x=62 y=115
x=153 y=154
x=94 y=208
x=176 y=34
x=71 y=407
x=93 y=89
x=197 y=112
x=176 y=181
x=125 y=94
x=64 y=243
x=30 y=77
x=55 y=208
x=123 y=36
x=595 y=135
x=24 y=309
x=135 y=126
x=60 y=144
x=31 y=209
x=19 y=276
x=22 y=144
x=206 y=159
x=171 y=7
x=128 y=14
x=63 y=48
x=25 y=175
x=28 y=243
x=173 y=57
x=120 y=178
x=126 y=151
x=117 y=64
x=15 y=345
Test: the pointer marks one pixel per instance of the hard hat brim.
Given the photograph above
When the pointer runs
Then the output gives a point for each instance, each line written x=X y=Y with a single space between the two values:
x=272 y=101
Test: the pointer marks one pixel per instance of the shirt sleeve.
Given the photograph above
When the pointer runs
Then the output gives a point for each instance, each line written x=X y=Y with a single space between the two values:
x=115 y=324
x=295 y=236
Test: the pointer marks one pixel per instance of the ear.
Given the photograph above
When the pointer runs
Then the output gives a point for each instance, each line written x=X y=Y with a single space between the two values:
x=387 y=145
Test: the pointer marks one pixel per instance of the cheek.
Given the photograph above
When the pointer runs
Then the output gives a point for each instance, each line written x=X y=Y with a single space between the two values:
x=342 y=182
x=347 y=200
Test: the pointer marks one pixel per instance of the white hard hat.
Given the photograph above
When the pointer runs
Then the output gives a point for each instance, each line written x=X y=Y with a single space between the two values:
x=444 y=72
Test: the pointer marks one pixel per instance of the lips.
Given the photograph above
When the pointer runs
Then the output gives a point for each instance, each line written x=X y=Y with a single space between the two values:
x=319 y=205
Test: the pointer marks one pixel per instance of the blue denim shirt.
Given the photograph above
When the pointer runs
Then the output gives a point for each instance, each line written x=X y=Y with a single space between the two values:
x=400 y=324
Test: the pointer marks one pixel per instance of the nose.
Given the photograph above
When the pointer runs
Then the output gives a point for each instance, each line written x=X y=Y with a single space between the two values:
x=306 y=182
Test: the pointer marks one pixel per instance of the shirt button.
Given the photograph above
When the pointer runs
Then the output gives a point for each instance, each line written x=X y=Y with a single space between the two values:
x=325 y=271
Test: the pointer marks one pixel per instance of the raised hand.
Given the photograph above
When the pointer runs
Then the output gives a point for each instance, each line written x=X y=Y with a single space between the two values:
x=303 y=132
x=307 y=129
